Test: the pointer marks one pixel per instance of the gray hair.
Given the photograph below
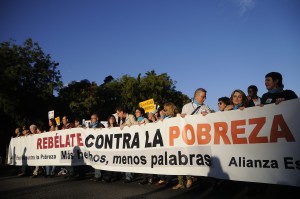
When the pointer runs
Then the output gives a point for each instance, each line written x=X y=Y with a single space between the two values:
x=33 y=127
x=199 y=90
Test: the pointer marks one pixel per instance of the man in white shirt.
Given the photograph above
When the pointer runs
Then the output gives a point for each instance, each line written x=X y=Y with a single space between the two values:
x=196 y=106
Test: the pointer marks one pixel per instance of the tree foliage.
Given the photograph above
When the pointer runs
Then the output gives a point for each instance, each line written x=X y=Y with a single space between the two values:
x=27 y=79
x=79 y=98
x=159 y=87
x=129 y=91
x=84 y=98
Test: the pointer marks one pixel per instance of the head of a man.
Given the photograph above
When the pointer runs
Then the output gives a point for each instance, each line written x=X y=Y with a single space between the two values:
x=121 y=112
x=273 y=80
x=65 y=120
x=94 y=118
x=33 y=129
x=200 y=95
x=252 y=91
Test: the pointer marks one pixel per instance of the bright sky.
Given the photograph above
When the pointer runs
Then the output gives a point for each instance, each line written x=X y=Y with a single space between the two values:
x=220 y=45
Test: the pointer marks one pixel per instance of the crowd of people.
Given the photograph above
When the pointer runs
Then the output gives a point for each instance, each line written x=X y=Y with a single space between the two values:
x=237 y=100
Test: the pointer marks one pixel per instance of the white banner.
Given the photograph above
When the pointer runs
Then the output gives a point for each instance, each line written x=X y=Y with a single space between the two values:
x=258 y=144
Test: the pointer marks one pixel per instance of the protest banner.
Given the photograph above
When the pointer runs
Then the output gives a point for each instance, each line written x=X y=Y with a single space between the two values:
x=258 y=144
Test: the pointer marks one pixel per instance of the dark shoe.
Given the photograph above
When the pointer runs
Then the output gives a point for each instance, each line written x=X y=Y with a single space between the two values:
x=21 y=175
x=114 y=179
x=52 y=176
x=107 y=179
x=127 y=181
x=69 y=178
x=80 y=178
x=46 y=176
x=34 y=176
x=95 y=179
x=144 y=181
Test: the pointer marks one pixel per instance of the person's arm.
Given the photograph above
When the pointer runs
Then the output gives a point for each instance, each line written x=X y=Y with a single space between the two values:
x=228 y=107
x=184 y=111
x=144 y=121
x=206 y=110
x=132 y=120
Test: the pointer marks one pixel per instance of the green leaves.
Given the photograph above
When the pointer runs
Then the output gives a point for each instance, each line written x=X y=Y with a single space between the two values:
x=32 y=77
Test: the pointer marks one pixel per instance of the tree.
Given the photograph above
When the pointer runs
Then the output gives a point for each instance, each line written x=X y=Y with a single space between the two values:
x=28 y=77
x=108 y=98
x=79 y=98
x=129 y=91
x=83 y=98
x=31 y=76
x=107 y=80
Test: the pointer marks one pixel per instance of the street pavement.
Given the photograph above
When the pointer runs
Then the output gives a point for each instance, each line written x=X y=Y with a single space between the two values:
x=14 y=187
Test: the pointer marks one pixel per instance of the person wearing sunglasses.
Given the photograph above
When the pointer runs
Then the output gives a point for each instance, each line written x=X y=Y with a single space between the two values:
x=223 y=102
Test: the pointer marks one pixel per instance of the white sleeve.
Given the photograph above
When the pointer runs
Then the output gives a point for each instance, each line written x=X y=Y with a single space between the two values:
x=184 y=109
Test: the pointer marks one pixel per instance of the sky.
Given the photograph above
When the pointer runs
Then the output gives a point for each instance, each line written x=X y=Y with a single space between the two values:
x=219 y=45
